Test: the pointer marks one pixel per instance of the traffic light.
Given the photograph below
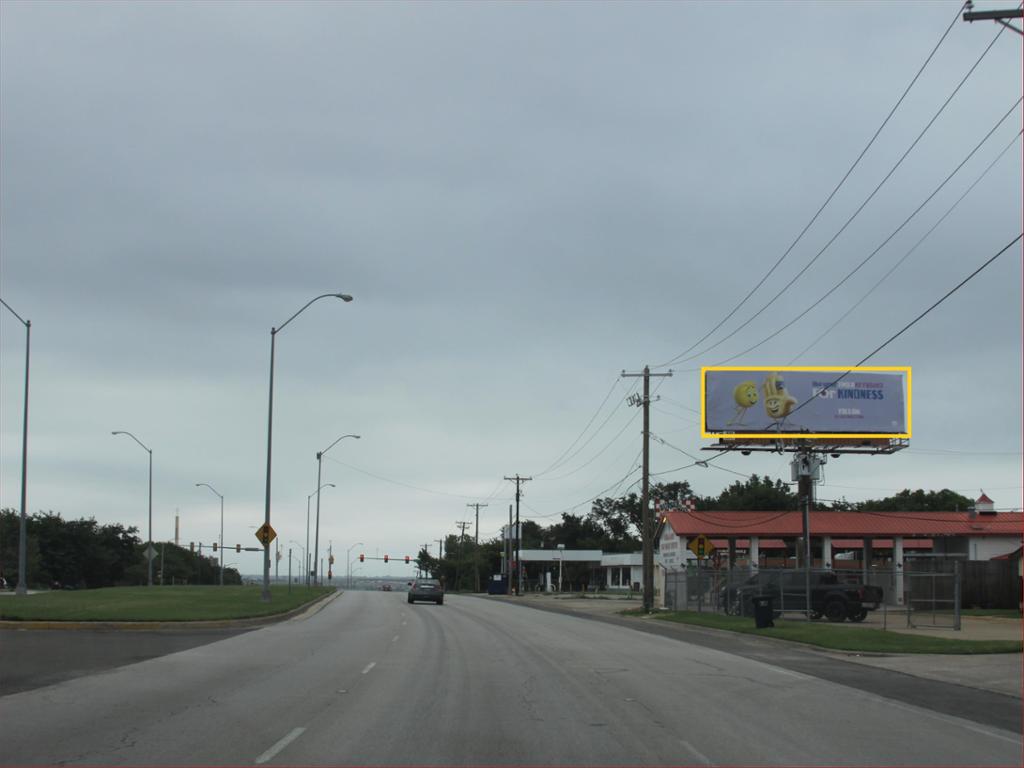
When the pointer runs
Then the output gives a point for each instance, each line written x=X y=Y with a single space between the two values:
x=385 y=558
x=330 y=560
x=215 y=546
x=406 y=559
x=192 y=546
x=361 y=558
x=238 y=547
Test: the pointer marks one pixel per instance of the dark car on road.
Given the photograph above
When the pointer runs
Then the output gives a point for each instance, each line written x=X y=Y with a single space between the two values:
x=427 y=590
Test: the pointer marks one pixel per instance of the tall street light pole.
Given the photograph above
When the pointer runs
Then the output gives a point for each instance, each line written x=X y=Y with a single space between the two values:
x=348 y=564
x=319 y=466
x=221 y=530
x=22 y=588
x=308 y=500
x=149 y=547
x=265 y=595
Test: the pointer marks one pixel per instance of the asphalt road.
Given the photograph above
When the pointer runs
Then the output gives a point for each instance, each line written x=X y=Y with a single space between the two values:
x=371 y=680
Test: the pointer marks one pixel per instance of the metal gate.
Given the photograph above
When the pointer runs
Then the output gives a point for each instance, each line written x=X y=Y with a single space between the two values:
x=932 y=597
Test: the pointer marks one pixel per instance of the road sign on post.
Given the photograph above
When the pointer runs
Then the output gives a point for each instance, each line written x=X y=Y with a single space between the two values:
x=266 y=534
x=701 y=546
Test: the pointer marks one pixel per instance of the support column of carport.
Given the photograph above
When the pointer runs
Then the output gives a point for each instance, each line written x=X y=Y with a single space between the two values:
x=755 y=553
x=897 y=565
x=826 y=552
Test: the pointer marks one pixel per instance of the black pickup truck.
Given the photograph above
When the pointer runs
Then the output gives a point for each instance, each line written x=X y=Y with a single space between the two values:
x=829 y=598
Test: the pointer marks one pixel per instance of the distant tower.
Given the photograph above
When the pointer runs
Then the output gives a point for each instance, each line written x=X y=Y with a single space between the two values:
x=176 y=518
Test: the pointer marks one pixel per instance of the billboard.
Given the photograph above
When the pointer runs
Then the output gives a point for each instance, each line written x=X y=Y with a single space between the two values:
x=802 y=402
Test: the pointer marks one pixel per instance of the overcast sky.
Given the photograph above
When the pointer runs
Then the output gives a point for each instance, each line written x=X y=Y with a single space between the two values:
x=524 y=199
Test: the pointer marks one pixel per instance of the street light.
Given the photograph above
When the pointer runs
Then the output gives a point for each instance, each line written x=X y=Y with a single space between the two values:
x=265 y=595
x=319 y=465
x=561 y=556
x=221 y=530
x=304 y=562
x=308 y=499
x=348 y=562
x=149 y=547
x=22 y=588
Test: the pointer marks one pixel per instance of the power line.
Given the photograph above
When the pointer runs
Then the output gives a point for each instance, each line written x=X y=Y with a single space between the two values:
x=896 y=266
x=809 y=264
x=555 y=463
x=913 y=322
x=823 y=205
x=885 y=242
x=403 y=484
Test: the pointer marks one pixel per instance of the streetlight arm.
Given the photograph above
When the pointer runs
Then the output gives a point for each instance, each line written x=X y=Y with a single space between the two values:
x=133 y=437
x=325 y=450
x=22 y=319
x=210 y=487
x=325 y=485
x=343 y=296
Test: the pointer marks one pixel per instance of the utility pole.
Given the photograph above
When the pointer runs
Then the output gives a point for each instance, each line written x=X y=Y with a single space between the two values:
x=519 y=566
x=508 y=553
x=476 y=543
x=999 y=17
x=647 y=534
x=462 y=525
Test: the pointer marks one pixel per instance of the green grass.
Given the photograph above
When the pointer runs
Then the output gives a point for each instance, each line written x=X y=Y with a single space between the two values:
x=156 y=603
x=839 y=638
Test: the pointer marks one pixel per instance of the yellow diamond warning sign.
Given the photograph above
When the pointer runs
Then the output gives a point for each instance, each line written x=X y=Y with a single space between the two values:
x=266 y=534
x=701 y=546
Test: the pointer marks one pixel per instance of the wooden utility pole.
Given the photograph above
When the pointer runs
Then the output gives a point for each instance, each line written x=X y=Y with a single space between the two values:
x=999 y=17
x=519 y=566
x=476 y=542
x=647 y=532
x=462 y=525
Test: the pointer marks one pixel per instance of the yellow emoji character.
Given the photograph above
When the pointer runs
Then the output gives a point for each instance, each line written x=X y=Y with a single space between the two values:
x=745 y=396
x=778 y=403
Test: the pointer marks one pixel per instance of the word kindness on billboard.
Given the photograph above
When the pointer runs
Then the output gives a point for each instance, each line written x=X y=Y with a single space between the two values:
x=803 y=402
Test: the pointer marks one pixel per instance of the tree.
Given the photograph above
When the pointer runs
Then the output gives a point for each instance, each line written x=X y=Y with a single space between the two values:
x=758 y=493
x=918 y=501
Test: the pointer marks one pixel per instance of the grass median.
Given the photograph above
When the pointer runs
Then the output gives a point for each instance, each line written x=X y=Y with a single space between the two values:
x=198 y=603
x=838 y=637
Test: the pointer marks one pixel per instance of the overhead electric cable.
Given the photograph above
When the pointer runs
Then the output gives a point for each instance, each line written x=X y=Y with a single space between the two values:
x=553 y=464
x=903 y=258
x=684 y=358
x=913 y=322
x=403 y=484
x=814 y=218
x=774 y=334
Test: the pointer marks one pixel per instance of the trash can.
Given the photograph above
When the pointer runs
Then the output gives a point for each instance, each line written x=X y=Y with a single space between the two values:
x=763 y=611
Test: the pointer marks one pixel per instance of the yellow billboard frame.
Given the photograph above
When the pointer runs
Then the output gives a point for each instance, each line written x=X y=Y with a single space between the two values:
x=812 y=368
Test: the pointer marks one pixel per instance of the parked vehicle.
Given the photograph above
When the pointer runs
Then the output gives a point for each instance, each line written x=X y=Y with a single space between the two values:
x=427 y=590
x=830 y=599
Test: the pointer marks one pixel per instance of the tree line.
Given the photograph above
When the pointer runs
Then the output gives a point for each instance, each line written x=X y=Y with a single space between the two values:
x=86 y=554
x=613 y=524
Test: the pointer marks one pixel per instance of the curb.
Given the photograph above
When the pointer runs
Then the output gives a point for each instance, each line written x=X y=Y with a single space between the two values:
x=302 y=612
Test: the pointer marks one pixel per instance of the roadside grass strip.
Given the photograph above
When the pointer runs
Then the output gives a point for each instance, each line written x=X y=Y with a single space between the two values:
x=837 y=637
x=179 y=603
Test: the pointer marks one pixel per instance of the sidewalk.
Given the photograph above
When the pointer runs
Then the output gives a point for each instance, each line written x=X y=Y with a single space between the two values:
x=998 y=672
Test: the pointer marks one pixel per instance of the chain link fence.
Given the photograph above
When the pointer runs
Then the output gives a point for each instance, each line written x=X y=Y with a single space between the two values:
x=931 y=595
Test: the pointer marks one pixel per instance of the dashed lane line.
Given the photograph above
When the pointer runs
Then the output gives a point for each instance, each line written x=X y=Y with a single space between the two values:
x=270 y=753
x=369 y=666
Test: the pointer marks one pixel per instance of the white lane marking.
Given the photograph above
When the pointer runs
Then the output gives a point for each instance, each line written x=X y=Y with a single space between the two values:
x=370 y=666
x=696 y=752
x=403 y=623
x=394 y=639
x=269 y=754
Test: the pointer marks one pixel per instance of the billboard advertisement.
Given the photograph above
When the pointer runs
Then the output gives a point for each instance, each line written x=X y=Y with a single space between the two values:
x=805 y=402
